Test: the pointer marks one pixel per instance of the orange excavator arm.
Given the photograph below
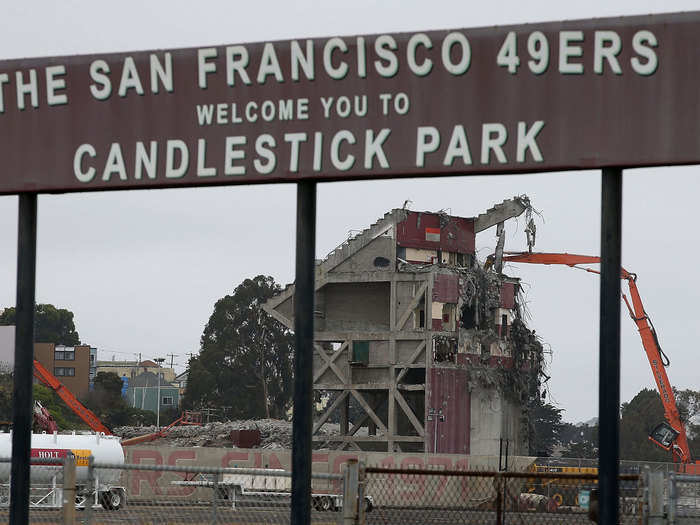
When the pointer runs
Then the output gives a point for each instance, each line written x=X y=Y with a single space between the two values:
x=76 y=406
x=674 y=439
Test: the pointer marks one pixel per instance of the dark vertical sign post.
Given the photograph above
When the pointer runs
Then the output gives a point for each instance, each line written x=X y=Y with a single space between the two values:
x=580 y=94
x=304 y=296
x=22 y=412
x=609 y=352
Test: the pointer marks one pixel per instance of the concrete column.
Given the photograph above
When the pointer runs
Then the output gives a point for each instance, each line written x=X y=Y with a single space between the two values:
x=350 y=489
x=656 y=498
x=69 y=489
x=345 y=416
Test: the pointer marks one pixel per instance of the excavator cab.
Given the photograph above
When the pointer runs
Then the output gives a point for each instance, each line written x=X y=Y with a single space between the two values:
x=664 y=435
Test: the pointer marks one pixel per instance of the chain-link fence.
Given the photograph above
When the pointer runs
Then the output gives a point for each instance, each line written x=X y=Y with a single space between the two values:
x=66 y=491
x=45 y=491
x=75 y=489
x=152 y=494
x=427 y=496
x=683 y=499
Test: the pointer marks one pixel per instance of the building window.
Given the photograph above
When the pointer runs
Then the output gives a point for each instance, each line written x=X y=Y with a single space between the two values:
x=360 y=353
x=167 y=400
x=61 y=371
x=64 y=355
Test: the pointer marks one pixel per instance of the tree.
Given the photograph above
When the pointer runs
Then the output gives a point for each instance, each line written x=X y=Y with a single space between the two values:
x=639 y=417
x=694 y=440
x=51 y=324
x=688 y=402
x=545 y=427
x=106 y=394
x=106 y=402
x=246 y=356
x=579 y=441
x=6 y=386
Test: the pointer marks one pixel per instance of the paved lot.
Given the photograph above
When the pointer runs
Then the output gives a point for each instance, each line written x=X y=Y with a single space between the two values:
x=154 y=514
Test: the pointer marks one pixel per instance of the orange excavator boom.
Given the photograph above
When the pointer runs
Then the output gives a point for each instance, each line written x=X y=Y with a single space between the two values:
x=672 y=435
x=46 y=377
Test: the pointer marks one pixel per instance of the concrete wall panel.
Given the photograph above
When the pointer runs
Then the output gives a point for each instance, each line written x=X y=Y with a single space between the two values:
x=494 y=417
x=379 y=353
x=386 y=489
x=365 y=260
x=369 y=375
x=406 y=349
x=405 y=292
x=357 y=306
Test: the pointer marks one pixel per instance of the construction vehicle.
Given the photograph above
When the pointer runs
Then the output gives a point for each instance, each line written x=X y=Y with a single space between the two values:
x=565 y=491
x=269 y=485
x=670 y=434
x=69 y=399
x=43 y=419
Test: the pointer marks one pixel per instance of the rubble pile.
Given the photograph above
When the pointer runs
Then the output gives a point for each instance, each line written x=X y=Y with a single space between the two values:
x=274 y=433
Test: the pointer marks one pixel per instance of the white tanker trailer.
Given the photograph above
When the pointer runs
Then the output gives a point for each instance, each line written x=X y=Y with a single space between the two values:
x=46 y=479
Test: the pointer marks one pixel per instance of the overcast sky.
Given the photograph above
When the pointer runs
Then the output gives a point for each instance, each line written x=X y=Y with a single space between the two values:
x=142 y=270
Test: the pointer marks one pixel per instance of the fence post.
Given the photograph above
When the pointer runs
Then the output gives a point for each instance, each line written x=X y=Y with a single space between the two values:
x=645 y=495
x=69 y=489
x=361 y=491
x=672 y=498
x=91 y=490
x=499 y=499
x=214 y=499
x=351 y=479
x=656 y=498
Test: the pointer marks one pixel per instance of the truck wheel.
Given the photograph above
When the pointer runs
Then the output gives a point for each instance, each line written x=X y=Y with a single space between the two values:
x=112 y=499
x=558 y=499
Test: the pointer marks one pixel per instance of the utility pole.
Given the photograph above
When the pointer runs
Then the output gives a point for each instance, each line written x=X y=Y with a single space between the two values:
x=158 y=360
x=172 y=356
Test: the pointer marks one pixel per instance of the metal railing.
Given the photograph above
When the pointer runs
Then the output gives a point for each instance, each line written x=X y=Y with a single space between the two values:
x=408 y=496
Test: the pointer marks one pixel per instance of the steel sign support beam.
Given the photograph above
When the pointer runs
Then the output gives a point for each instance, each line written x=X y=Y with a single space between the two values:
x=609 y=367
x=24 y=359
x=303 y=355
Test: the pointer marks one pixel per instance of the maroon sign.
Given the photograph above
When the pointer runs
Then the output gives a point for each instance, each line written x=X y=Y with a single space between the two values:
x=47 y=453
x=552 y=96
